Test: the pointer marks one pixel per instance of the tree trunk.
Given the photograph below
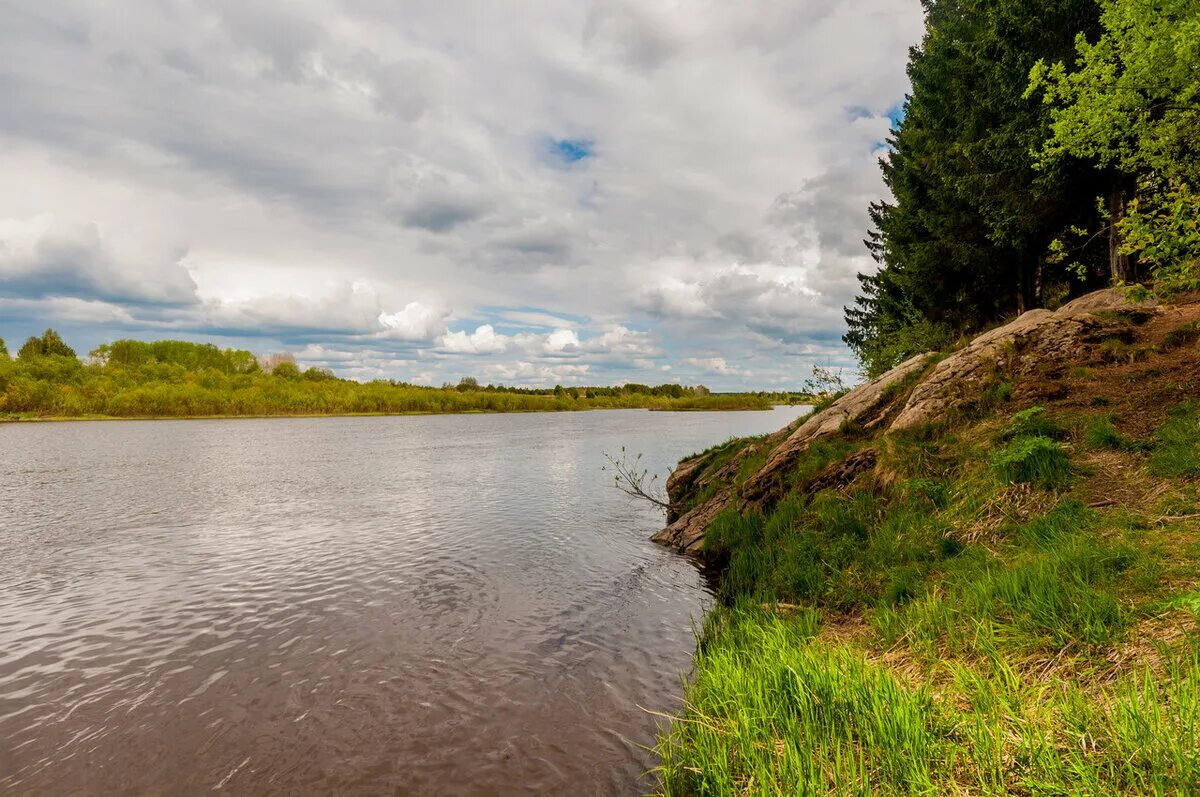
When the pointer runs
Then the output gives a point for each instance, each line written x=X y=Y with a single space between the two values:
x=1119 y=265
x=1028 y=293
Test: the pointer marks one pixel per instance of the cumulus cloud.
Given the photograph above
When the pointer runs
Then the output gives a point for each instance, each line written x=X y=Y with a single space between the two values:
x=483 y=340
x=561 y=341
x=49 y=257
x=712 y=365
x=414 y=322
x=386 y=182
x=532 y=373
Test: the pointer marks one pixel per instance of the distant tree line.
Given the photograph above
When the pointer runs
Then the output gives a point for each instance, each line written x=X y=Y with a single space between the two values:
x=469 y=384
x=175 y=378
x=1046 y=149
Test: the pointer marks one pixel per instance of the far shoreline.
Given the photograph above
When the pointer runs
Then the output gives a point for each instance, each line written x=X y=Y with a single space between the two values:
x=49 y=419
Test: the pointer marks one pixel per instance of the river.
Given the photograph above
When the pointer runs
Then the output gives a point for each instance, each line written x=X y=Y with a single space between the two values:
x=445 y=604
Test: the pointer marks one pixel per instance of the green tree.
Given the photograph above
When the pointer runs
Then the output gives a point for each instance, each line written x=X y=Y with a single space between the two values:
x=962 y=242
x=3 y=350
x=1131 y=104
x=50 y=343
x=30 y=348
x=53 y=344
x=286 y=370
x=318 y=374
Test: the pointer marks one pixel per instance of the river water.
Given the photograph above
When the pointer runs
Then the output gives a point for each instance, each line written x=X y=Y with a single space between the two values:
x=406 y=605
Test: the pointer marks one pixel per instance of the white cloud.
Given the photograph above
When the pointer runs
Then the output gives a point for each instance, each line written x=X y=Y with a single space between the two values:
x=48 y=256
x=423 y=378
x=67 y=308
x=561 y=341
x=415 y=322
x=537 y=319
x=483 y=340
x=712 y=365
x=532 y=373
x=347 y=174
x=621 y=340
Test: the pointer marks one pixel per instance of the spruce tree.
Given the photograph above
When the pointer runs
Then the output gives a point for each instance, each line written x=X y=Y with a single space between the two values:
x=963 y=242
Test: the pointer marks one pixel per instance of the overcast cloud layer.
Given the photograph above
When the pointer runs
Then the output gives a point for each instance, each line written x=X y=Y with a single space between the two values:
x=528 y=192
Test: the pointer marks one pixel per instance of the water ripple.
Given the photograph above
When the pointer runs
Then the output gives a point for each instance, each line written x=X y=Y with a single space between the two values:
x=439 y=605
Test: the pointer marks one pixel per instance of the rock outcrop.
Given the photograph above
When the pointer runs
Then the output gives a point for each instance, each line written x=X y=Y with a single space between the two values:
x=865 y=407
x=910 y=394
x=1035 y=338
x=687 y=532
x=680 y=482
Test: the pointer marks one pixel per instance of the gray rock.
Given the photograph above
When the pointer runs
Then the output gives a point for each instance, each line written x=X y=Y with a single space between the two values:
x=1037 y=336
x=865 y=406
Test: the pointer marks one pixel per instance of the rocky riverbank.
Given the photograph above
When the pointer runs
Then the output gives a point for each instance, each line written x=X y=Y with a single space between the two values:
x=976 y=573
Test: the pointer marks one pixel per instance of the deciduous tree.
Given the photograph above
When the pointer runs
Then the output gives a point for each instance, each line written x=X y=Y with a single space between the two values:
x=1130 y=102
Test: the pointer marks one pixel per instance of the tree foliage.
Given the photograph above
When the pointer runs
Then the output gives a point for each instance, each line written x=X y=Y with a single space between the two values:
x=1130 y=102
x=175 y=378
x=188 y=355
x=50 y=344
x=962 y=242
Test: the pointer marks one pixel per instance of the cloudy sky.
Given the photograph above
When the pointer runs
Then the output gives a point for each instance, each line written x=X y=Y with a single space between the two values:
x=527 y=191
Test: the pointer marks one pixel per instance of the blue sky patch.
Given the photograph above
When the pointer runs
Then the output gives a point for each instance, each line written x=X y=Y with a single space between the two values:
x=571 y=150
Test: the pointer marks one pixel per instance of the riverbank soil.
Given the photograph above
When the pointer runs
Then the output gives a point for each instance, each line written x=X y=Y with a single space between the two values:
x=979 y=574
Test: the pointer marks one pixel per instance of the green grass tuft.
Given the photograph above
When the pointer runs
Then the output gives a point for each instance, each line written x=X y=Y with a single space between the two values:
x=1033 y=422
x=1098 y=432
x=1182 y=336
x=1177 y=443
x=770 y=713
x=1033 y=460
x=775 y=710
x=838 y=551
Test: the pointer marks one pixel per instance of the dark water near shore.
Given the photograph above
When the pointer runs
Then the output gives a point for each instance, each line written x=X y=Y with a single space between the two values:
x=414 y=605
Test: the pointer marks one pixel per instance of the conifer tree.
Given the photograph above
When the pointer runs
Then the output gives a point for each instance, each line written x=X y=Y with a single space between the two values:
x=963 y=241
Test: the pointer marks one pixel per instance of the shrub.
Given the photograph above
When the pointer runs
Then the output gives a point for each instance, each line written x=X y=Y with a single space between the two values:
x=286 y=370
x=1033 y=460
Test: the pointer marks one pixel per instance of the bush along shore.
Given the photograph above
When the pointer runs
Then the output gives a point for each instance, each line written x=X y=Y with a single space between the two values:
x=180 y=379
x=977 y=574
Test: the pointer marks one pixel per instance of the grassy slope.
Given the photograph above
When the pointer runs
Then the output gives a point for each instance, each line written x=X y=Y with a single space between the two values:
x=1005 y=605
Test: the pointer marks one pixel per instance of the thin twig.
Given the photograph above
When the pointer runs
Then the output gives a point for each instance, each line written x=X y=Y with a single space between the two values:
x=634 y=481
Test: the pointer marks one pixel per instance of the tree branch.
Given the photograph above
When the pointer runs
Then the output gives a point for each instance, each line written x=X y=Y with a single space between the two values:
x=635 y=481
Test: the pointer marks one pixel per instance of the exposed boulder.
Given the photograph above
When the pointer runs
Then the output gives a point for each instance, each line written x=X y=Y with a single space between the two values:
x=1034 y=338
x=840 y=474
x=1110 y=300
x=866 y=407
x=687 y=532
x=680 y=482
